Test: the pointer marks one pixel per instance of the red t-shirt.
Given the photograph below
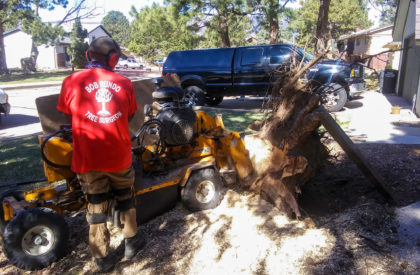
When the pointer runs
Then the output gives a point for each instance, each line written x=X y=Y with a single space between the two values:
x=100 y=102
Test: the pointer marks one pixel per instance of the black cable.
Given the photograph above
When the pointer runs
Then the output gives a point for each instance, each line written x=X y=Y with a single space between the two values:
x=44 y=157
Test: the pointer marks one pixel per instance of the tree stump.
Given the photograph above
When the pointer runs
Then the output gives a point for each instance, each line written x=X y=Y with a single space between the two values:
x=287 y=151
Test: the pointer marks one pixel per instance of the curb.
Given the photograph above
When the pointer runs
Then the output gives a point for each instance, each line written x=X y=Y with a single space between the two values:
x=30 y=85
x=9 y=87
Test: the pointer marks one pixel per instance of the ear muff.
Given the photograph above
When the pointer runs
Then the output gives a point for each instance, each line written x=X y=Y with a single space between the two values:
x=87 y=55
x=113 y=59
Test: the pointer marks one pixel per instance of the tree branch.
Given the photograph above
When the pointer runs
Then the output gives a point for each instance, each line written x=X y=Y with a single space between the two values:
x=75 y=11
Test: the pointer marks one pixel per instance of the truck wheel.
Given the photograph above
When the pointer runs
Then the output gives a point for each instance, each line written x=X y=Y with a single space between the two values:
x=213 y=100
x=333 y=97
x=35 y=238
x=203 y=190
x=18 y=195
x=194 y=95
x=125 y=66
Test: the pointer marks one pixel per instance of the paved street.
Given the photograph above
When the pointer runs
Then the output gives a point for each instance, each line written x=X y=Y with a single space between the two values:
x=23 y=118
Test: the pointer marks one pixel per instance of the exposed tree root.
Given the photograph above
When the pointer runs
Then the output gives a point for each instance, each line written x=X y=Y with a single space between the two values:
x=287 y=151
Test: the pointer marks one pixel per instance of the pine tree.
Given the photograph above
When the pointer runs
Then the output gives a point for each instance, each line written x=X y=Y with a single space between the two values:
x=118 y=26
x=78 y=46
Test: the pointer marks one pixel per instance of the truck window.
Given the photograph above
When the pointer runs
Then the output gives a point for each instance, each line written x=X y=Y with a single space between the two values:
x=220 y=58
x=279 y=55
x=251 y=56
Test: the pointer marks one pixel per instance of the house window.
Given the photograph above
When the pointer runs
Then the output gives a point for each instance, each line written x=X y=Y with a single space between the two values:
x=357 y=41
x=93 y=37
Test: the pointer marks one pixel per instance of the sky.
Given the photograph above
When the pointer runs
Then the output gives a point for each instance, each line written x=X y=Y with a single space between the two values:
x=124 y=6
x=103 y=7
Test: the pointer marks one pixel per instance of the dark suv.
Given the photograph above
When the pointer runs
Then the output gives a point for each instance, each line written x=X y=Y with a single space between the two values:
x=210 y=74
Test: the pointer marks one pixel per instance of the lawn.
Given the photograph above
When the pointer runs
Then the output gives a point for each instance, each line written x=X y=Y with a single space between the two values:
x=237 y=121
x=20 y=160
x=14 y=78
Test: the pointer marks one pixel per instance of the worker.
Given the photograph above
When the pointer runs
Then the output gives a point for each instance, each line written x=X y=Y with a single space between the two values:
x=100 y=104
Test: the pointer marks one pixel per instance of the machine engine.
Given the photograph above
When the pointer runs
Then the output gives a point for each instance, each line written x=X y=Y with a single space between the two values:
x=175 y=116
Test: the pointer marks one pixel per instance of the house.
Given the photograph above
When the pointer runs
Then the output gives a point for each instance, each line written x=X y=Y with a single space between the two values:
x=18 y=44
x=98 y=31
x=54 y=57
x=364 y=43
x=407 y=31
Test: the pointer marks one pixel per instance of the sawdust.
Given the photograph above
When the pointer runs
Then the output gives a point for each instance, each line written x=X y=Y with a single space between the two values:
x=351 y=229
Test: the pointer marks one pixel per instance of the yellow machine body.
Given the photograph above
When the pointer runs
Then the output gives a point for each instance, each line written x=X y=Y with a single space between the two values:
x=59 y=151
x=211 y=139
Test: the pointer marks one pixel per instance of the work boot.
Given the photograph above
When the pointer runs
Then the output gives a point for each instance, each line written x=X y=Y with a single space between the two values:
x=104 y=264
x=133 y=245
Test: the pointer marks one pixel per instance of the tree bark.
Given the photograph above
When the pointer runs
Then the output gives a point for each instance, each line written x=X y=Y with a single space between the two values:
x=34 y=49
x=274 y=21
x=224 y=30
x=274 y=31
x=323 y=28
x=3 y=64
x=34 y=57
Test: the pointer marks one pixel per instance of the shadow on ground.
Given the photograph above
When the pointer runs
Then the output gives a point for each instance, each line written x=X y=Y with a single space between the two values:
x=16 y=120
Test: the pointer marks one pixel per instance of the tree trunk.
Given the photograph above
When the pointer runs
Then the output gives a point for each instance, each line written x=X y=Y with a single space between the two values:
x=3 y=64
x=34 y=56
x=274 y=30
x=274 y=21
x=323 y=28
x=34 y=49
x=224 y=31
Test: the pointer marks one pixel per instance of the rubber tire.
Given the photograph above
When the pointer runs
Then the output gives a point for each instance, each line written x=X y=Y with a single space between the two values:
x=20 y=224
x=125 y=66
x=213 y=101
x=197 y=93
x=18 y=195
x=188 y=196
x=339 y=91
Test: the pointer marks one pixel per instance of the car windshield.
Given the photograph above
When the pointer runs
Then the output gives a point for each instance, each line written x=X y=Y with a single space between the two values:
x=307 y=55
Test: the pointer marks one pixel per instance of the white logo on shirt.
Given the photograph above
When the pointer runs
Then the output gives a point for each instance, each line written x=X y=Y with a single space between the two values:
x=103 y=95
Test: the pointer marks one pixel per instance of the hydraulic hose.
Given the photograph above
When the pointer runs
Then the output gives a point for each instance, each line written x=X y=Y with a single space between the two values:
x=44 y=157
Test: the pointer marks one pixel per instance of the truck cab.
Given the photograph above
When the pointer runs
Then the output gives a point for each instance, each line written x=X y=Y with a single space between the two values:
x=210 y=74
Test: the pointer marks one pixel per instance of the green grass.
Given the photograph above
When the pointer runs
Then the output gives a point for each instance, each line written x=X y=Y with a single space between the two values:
x=20 y=160
x=15 y=78
x=237 y=121
x=343 y=124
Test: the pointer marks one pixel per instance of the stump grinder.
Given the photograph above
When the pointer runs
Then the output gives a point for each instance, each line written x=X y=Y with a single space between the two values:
x=178 y=154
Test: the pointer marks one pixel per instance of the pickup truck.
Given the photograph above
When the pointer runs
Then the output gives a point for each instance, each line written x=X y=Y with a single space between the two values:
x=207 y=75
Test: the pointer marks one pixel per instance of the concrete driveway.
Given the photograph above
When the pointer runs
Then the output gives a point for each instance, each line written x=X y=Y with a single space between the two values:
x=370 y=119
